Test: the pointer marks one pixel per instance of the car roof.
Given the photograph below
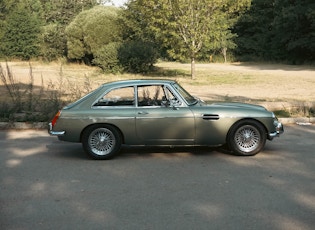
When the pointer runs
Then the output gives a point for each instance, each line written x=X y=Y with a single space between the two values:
x=137 y=82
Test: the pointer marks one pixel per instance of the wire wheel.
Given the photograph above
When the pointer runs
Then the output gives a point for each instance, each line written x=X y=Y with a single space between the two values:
x=247 y=138
x=102 y=141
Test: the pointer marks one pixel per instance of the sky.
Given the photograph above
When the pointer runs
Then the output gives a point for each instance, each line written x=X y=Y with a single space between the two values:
x=119 y=2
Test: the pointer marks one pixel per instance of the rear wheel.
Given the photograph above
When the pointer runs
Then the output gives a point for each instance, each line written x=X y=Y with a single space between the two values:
x=101 y=142
x=247 y=138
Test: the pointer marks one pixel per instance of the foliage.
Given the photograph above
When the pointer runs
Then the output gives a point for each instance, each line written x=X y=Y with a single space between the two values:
x=294 y=24
x=107 y=58
x=63 y=11
x=277 y=30
x=55 y=15
x=137 y=56
x=21 y=33
x=91 y=30
x=53 y=42
x=58 y=14
x=185 y=26
x=136 y=25
x=267 y=30
x=5 y=8
x=141 y=47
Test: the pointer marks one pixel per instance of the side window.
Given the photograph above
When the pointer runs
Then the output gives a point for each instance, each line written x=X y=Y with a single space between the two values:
x=117 y=97
x=151 y=95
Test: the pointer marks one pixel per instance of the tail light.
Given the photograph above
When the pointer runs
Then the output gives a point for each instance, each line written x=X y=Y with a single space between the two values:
x=54 y=120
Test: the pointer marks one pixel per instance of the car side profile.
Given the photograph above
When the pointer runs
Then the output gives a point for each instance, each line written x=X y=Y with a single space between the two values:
x=160 y=113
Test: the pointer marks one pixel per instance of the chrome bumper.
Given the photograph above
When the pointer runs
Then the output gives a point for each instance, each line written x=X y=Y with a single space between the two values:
x=279 y=130
x=55 y=133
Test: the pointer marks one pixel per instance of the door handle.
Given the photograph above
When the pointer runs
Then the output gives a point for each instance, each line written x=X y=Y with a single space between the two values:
x=143 y=113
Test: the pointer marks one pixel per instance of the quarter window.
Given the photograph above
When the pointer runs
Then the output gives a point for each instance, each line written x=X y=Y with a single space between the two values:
x=118 y=97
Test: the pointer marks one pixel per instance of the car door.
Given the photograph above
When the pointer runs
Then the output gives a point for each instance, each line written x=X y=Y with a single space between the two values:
x=163 y=119
x=117 y=107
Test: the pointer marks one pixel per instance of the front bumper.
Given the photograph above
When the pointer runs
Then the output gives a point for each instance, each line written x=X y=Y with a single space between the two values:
x=279 y=130
x=55 y=133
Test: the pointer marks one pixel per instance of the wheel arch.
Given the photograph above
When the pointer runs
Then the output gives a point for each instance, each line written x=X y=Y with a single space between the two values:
x=103 y=124
x=242 y=120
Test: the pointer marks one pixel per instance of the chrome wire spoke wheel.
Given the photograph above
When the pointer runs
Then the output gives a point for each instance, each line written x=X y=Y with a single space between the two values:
x=247 y=138
x=102 y=141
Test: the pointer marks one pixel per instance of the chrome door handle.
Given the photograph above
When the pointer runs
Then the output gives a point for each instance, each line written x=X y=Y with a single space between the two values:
x=143 y=113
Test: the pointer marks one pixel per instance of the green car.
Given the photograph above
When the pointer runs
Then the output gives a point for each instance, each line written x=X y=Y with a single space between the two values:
x=160 y=113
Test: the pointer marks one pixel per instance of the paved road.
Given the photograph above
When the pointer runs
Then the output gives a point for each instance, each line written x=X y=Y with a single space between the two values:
x=47 y=184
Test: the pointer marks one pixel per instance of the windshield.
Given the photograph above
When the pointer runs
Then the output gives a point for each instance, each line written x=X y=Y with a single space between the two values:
x=189 y=99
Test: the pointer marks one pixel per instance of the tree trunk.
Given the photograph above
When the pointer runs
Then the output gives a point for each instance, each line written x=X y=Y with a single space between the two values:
x=224 y=50
x=193 y=68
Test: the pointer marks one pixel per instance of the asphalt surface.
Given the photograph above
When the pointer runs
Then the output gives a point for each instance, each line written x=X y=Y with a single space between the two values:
x=47 y=184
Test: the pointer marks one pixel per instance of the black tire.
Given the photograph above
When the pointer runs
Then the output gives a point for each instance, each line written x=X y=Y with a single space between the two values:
x=101 y=142
x=246 y=138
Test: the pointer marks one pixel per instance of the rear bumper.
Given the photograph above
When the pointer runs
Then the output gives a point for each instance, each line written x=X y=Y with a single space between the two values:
x=54 y=133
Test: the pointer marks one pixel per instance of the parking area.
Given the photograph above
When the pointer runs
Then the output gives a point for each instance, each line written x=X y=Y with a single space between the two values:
x=47 y=184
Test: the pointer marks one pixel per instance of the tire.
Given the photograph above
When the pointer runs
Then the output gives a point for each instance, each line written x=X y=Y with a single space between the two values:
x=246 y=138
x=101 y=142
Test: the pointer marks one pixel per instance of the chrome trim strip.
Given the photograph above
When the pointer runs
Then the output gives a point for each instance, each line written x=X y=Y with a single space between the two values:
x=55 y=133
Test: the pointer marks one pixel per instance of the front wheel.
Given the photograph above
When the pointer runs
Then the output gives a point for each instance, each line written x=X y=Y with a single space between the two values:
x=101 y=142
x=247 y=138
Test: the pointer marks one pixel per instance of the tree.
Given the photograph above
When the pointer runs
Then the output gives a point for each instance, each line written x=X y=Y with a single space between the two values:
x=21 y=32
x=221 y=40
x=5 y=6
x=64 y=11
x=253 y=30
x=53 y=42
x=139 y=51
x=91 y=30
x=136 y=24
x=294 y=26
x=58 y=14
x=184 y=26
x=278 y=30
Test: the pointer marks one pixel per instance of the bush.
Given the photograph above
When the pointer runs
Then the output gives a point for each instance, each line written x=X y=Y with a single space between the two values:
x=137 y=56
x=53 y=42
x=107 y=58
x=90 y=31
